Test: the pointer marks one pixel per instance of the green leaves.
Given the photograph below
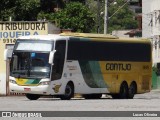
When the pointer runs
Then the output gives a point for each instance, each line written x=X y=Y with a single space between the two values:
x=19 y=9
x=75 y=16
x=123 y=19
x=27 y=9
x=72 y=15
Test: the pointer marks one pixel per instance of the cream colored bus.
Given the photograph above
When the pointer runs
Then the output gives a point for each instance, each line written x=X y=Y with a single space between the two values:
x=78 y=63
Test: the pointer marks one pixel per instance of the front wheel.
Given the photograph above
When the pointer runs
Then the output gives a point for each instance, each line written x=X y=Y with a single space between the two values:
x=32 y=96
x=69 y=92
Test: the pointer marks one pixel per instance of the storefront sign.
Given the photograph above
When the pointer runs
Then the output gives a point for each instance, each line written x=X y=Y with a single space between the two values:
x=10 y=31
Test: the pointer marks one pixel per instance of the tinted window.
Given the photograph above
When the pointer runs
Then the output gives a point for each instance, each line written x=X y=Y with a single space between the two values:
x=58 y=60
x=108 y=51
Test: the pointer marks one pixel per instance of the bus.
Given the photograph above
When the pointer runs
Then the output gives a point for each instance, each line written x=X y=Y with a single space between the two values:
x=88 y=64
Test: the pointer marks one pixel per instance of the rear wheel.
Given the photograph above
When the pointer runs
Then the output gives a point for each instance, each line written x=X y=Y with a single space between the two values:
x=123 y=91
x=92 y=96
x=132 y=90
x=32 y=96
x=69 y=92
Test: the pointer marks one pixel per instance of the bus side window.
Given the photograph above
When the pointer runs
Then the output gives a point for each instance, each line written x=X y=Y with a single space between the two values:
x=58 y=60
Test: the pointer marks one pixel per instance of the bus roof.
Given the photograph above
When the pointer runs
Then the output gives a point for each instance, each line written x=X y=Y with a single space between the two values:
x=89 y=35
x=43 y=37
x=101 y=37
x=107 y=37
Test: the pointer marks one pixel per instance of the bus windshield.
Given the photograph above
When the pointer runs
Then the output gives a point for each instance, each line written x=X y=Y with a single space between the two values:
x=30 y=58
x=30 y=65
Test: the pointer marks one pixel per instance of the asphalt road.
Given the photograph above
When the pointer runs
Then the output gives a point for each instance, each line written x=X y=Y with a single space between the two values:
x=141 y=102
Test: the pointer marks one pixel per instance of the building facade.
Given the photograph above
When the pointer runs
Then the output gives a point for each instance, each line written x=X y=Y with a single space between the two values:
x=151 y=25
x=151 y=30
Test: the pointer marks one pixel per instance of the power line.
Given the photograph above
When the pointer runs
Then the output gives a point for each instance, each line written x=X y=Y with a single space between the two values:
x=118 y=9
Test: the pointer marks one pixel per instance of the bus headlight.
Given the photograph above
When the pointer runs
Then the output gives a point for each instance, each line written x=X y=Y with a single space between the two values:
x=12 y=81
x=44 y=83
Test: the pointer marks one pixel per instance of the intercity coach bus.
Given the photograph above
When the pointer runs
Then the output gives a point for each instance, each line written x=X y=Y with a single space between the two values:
x=80 y=63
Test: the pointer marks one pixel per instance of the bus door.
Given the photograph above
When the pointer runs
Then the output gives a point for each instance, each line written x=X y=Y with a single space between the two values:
x=58 y=61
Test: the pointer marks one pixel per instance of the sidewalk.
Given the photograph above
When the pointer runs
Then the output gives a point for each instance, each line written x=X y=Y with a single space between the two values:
x=155 y=90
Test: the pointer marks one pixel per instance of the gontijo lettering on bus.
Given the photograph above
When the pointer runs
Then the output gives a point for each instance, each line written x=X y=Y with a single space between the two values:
x=10 y=31
x=118 y=67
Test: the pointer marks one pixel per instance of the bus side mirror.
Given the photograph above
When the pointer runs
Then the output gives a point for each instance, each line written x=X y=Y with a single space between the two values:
x=51 y=57
x=7 y=54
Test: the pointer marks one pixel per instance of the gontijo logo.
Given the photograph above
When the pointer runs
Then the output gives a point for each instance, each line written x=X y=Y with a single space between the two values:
x=118 y=66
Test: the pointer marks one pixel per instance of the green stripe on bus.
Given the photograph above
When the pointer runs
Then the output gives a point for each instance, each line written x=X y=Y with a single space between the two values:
x=32 y=81
x=92 y=74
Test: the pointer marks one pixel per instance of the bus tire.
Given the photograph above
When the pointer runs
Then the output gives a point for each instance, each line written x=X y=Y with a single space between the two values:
x=132 y=90
x=123 y=91
x=32 y=96
x=69 y=92
x=92 y=96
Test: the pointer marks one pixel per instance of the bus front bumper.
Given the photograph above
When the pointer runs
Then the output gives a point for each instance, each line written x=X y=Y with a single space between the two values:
x=40 y=89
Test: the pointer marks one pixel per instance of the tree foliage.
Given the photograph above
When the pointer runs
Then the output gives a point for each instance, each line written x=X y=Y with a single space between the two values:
x=75 y=16
x=122 y=19
x=27 y=9
x=6 y=9
x=19 y=9
x=49 y=5
x=72 y=14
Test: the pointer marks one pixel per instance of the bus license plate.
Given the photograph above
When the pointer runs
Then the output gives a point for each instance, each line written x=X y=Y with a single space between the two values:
x=27 y=89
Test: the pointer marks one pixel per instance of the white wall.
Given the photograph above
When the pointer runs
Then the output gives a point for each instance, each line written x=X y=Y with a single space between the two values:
x=151 y=25
x=146 y=9
x=2 y=83
x=120 y=33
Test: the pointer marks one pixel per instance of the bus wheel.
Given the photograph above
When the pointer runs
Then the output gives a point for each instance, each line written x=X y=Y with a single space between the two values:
x=92 y=96
x=132 y=90
x=69 y=92
x=123 y=91
x=32 y=96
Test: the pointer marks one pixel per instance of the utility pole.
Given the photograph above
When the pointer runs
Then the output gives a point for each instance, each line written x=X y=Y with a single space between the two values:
x=106 y=17
x=98 y=16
